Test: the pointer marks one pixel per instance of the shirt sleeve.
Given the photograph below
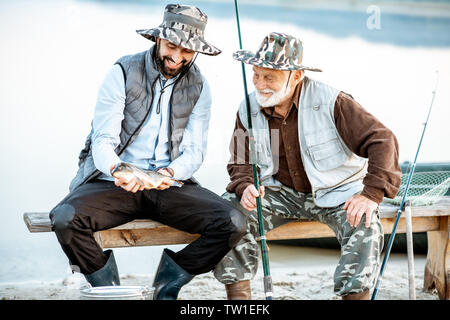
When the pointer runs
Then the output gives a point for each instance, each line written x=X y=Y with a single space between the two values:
x=108 y=116
x=367 y=137
x=195 y=137
x=239 y=167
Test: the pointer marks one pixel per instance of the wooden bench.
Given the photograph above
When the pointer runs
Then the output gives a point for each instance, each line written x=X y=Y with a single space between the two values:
x=431 y=219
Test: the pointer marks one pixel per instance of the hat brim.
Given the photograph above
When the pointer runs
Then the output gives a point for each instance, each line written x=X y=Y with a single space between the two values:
x=250 y=58
x=180 y=38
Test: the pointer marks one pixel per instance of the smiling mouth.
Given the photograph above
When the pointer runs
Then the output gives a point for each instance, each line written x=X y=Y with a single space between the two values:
x=265 y=93
x=172 y=65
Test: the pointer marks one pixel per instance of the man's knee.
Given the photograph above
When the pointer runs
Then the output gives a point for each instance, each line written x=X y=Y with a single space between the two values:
x=239 y=223
x=61 y=218
x=231 y=198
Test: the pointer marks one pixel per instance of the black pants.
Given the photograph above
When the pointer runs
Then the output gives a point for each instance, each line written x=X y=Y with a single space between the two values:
x=100 y=205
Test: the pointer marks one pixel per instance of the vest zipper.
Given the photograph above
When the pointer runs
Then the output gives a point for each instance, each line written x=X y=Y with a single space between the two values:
x=97 y=172
x=303 y=160
x=142 y=122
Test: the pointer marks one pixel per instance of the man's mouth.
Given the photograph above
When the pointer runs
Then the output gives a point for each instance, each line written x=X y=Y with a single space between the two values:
x=169 y=67
x=265 y=94
x=171 y=64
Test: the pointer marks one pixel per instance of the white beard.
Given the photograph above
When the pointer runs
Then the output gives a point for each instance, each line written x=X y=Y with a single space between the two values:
x=273 y=100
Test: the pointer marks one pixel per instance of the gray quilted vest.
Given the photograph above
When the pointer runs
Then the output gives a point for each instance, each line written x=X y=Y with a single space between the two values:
x=141 y=73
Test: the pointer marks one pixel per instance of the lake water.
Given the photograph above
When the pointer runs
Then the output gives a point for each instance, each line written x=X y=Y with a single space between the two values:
x=55 y=54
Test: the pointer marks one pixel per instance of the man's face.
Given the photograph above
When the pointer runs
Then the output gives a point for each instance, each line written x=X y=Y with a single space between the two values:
x=270 y=85
x=172 y=59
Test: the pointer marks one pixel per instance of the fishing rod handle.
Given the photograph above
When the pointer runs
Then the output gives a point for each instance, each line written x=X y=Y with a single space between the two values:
x=268 y=289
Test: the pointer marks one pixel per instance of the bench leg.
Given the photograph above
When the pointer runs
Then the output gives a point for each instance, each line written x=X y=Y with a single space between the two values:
x=437 y=268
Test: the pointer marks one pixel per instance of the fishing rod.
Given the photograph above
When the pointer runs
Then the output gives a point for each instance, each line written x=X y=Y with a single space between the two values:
x=265 y=256
x=400 y=209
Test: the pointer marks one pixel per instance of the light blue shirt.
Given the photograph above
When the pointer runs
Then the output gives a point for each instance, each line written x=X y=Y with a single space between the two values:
x=150 y=149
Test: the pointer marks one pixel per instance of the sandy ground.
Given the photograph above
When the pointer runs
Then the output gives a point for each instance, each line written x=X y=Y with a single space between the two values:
x=308 y=277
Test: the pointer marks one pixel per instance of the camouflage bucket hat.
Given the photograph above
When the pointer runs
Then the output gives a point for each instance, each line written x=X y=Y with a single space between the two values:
x=184 y=26
x=277 y=51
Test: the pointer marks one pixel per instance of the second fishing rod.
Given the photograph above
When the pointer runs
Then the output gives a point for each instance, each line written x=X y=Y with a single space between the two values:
x=404 y=197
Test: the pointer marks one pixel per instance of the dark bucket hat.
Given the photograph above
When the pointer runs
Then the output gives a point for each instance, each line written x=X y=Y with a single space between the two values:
x=184 y=26
x=277 y=51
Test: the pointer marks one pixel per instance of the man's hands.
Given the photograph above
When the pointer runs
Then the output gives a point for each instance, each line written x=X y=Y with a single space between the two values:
x=165 y=184
x=248 y=199
x=132 y=185
x=356 y=207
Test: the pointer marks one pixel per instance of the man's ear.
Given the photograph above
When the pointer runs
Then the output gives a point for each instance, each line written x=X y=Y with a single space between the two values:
x=157 y=46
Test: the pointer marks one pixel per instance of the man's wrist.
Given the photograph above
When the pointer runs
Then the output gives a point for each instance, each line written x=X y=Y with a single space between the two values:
x=112 y=167
x=239 y=190
x=168 y=170
x=373 y=194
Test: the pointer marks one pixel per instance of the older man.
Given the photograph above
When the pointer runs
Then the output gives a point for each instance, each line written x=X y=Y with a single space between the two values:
x=321 y=156
x=152 y=111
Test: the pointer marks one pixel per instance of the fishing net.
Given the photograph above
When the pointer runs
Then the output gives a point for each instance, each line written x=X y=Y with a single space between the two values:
x=425 y=188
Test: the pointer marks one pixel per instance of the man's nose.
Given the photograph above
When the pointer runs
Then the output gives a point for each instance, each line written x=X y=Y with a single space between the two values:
x=177 y=57
x=259 y=85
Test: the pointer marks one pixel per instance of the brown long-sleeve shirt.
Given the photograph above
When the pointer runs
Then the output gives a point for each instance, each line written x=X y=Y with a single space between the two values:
x=363 y=134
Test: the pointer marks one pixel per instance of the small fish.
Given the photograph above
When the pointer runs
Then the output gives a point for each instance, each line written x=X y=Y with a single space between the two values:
x=147 y=178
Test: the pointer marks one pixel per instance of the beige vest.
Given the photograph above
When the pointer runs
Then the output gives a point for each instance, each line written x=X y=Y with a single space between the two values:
x=335 y=173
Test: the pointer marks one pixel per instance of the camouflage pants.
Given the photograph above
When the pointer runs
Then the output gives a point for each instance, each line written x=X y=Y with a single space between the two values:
x=360 y=246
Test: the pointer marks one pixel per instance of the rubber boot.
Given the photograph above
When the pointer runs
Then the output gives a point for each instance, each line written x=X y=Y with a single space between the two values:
x=108 y=275
x=239 y=291
x=169 y=278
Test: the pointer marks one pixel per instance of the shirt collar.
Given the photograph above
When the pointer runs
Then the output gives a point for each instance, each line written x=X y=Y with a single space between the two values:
x=164 y=80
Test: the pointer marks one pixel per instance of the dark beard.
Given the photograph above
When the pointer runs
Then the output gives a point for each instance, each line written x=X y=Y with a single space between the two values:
x=170 y=72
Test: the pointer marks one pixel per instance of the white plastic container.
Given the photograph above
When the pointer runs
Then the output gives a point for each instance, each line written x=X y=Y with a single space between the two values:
x=117 y=293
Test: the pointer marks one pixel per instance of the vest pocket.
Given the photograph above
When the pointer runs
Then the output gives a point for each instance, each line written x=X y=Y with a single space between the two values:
x=325 y=150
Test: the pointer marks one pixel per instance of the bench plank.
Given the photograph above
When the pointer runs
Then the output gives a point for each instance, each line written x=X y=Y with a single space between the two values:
x=313 y=229
x=147 y=232
x=439 y=208
x=40 y=222
x=37 y=221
